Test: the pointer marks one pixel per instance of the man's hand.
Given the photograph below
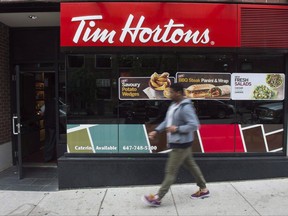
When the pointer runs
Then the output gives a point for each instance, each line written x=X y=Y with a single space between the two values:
x=171 y=129
x=152 y=135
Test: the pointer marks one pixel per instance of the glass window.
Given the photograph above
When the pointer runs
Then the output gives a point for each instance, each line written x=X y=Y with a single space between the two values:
x=76 y=61
x=127 y=61
x=261 y=121
x=150 y=61
x=92 y=91
x=62 y=103
x=145 y=65
x=206 y=63
x=261 y=124
x=103 y=61
x=261 y=63
x=100 y=121
x=215 y=111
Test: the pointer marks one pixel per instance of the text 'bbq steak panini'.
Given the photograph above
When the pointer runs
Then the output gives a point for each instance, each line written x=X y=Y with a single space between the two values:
x=198 y=90
x=219 y=91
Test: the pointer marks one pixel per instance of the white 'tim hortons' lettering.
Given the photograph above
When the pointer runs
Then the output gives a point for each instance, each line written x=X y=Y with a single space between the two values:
x=98 y=34
x=170 y=32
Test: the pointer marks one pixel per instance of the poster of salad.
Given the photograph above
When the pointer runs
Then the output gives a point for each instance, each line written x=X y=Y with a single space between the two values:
x=257 y=86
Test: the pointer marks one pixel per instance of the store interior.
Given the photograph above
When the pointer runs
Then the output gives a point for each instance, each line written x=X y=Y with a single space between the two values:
x=35 y=89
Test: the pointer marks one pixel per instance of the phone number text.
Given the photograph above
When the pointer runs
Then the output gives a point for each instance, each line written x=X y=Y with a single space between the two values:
x=140 y=148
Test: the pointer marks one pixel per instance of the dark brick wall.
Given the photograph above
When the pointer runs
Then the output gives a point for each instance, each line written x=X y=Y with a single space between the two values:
x=5 y=122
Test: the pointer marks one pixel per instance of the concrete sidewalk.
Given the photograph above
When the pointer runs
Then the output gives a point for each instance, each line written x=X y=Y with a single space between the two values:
x=257 y=197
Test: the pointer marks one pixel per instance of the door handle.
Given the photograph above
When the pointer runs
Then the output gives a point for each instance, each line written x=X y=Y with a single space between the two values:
x=13 y=124
x=18 y=125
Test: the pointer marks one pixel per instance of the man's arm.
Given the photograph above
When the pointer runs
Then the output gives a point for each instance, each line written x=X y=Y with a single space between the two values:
x=191 y=118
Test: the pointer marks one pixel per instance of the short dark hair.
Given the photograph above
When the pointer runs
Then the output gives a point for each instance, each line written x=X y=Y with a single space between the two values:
x=177 y=87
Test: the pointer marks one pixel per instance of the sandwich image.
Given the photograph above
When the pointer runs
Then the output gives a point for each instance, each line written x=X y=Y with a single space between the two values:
x=198 y=90
x=219 y=91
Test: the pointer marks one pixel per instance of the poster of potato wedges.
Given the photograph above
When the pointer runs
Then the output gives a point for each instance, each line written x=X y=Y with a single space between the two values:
x=155 y=87
x=205 y=85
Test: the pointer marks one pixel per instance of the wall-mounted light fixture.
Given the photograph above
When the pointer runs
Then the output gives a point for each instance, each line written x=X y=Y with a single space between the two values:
x=33 y=17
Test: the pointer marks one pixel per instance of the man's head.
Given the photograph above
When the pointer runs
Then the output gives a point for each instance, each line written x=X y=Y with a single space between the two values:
x=176 y=92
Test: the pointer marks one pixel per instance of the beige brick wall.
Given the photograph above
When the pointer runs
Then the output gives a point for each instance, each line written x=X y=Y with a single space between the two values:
x=5 y=122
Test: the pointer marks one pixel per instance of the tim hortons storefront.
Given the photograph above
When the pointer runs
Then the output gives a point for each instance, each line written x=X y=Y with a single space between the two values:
x=121 y=58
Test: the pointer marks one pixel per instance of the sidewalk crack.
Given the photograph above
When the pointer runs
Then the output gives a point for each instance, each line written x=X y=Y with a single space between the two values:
x=174 y=202
x=102 y=202
x=34 y=206
x=245 y=199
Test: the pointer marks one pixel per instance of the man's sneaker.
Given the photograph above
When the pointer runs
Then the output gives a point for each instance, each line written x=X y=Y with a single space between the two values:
x=151 y=200
x=200 y=194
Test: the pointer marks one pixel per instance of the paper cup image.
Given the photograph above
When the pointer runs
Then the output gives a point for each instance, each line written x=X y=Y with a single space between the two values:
x=198 y=91
x=274 y=81
x=159 y=82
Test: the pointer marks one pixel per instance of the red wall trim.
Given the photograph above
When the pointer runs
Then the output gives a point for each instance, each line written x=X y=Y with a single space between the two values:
x=165 y=24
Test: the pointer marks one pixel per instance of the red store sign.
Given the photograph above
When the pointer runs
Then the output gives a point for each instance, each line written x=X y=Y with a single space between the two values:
x=148 y=24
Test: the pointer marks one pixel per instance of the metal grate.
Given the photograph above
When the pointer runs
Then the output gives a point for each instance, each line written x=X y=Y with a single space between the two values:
x=264 y=27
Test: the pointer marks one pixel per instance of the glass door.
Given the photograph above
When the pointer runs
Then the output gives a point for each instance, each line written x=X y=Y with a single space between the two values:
x=16 y=124
x=33 y=131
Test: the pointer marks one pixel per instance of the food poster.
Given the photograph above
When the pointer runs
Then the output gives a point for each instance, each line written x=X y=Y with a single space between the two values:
x=155 y=87
x=205 y=85
x=258 y=86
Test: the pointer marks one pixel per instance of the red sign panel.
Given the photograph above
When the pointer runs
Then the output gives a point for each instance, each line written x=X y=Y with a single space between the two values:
x=157 y=24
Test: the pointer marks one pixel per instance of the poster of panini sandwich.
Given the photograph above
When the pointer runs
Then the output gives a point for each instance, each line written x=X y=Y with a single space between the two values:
x=205 y=85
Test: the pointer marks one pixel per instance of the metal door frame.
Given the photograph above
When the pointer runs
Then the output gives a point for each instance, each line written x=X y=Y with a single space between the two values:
x=16 y=117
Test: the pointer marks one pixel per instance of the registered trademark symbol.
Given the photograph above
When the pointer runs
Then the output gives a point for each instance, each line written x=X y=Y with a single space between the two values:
x=212 y=43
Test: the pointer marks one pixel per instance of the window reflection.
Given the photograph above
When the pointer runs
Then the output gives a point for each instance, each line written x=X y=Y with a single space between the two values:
x=259 y=112
x=92 y=90
x=93 y=98
x=206 y=63
x=103 y=61
x=153 y=112
x=261 y=63
x=141 y=112
x=215 y=111
x=145 y=65
x=63 y=107
x=76 y=61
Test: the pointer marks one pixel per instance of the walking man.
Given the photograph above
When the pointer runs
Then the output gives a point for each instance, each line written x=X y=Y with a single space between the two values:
x=180 y=124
